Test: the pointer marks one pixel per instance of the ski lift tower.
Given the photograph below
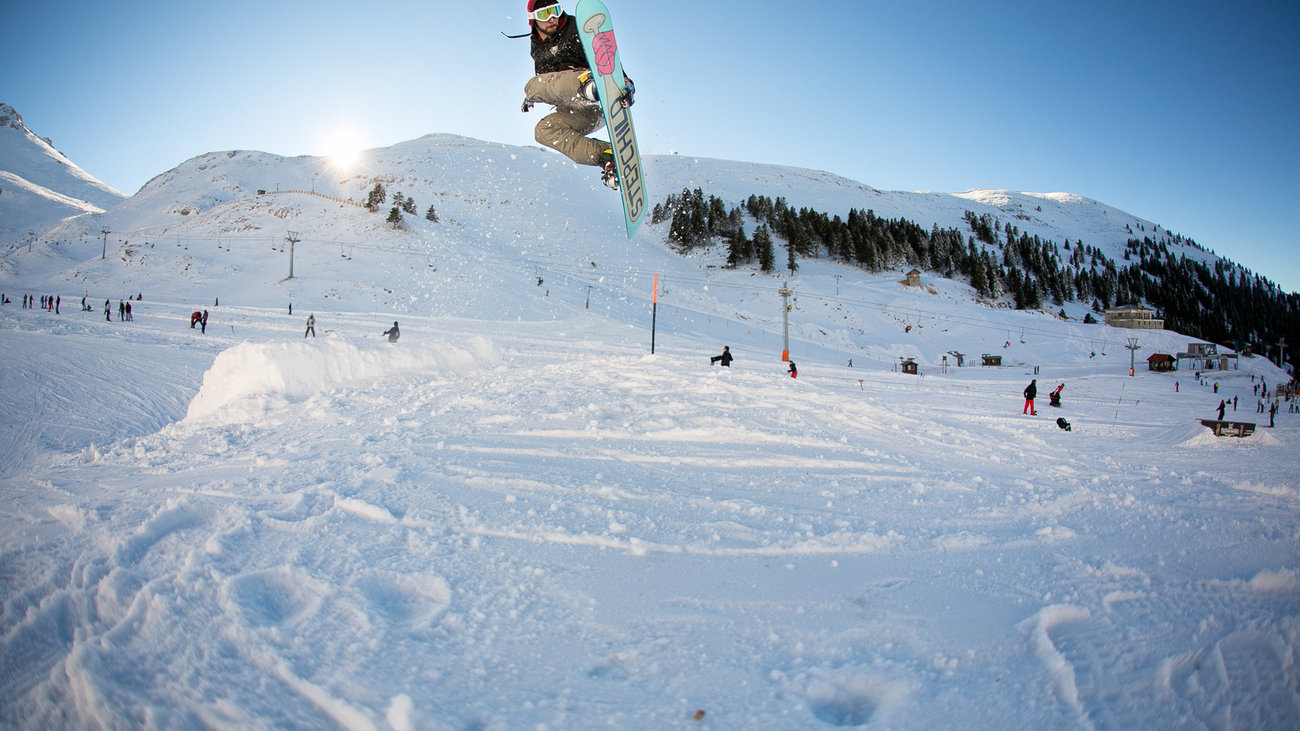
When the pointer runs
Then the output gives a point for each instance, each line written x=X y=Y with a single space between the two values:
x=785 y=293
x=1132 y=353
x=293 y=240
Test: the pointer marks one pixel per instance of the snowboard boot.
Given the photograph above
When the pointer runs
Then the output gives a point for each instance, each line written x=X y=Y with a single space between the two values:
x=609 y=171
x=587 y=88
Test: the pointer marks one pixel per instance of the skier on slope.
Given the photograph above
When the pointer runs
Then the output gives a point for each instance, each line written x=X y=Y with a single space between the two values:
x=565 y=81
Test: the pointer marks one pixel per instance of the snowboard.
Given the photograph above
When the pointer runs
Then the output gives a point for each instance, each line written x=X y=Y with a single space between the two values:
x=596 y=29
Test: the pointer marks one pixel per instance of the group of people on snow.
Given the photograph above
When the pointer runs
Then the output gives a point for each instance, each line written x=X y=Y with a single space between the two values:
x=54 y=303
x=1031 y=393
x=725 y=359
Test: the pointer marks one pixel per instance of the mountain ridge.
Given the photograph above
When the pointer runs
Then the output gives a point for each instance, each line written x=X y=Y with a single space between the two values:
x=510 y=213
x=40 y=185
x=835 y=194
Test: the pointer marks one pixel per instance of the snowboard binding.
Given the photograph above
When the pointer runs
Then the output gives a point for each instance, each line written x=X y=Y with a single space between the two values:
x=608 y=170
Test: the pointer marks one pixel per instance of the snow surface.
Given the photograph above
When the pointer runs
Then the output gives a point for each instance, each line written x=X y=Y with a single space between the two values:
x=517 y=516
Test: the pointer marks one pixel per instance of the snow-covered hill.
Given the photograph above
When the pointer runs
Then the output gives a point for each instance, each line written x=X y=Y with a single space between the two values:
x=518 y=516
x=217 y=227
x=39 y=186
x=522 y=211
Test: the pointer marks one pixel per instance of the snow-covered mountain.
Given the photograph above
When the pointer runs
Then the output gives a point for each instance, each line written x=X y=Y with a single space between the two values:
x=218 y=227
x=517 y=516
x=522 y=204
x=39 y=186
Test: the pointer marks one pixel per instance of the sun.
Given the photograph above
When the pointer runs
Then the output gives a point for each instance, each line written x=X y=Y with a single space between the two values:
x=342 y=147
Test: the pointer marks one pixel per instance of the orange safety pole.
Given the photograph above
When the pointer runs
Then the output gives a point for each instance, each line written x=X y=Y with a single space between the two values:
x=654 y=314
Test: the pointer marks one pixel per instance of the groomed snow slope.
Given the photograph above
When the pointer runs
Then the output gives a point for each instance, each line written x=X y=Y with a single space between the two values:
x=505 y=525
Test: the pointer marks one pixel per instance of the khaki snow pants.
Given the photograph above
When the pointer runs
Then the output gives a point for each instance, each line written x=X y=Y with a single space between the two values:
x=565 y=130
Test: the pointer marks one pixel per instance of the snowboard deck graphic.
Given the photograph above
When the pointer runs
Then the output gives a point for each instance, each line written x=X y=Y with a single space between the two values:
x=596 y=29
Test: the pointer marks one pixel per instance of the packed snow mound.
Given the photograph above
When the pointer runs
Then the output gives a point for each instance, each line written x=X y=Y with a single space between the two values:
x=250 y=378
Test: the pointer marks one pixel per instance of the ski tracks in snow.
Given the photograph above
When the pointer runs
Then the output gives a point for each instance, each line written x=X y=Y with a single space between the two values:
x=422 y=545
x=1129 y=658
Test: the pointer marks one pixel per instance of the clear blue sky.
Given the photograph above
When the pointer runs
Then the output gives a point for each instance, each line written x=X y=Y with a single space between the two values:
x=1186 y=113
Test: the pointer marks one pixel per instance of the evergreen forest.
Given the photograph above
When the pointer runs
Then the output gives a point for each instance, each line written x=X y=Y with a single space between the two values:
x=1220 y=302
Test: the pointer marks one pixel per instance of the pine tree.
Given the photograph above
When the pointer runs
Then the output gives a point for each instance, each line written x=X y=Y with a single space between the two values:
x=738 y=247
x=431 y=215
x=763 y=245
x=979 y=278
x=377 y=197
x=679 y=231
x=395 y=217
x=1033 y=297
x=699 y=228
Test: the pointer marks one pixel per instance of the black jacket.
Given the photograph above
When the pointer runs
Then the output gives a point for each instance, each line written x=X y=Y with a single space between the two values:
x=560 y=52
x=1031 y=391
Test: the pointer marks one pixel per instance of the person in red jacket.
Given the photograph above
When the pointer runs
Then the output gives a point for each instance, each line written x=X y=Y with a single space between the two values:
x=1031 y=392
x=564 y=80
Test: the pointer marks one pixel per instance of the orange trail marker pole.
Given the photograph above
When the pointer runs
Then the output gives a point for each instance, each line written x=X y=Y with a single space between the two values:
x=654 y=314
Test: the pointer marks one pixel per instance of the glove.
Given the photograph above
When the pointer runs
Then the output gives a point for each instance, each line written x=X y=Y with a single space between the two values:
x=526 y=107
x=629 y=90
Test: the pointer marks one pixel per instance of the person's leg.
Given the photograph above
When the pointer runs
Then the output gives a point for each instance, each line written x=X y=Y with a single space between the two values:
x=565 y=130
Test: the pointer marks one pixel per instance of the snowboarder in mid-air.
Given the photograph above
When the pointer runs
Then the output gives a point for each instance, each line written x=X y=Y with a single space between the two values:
x=565 y=81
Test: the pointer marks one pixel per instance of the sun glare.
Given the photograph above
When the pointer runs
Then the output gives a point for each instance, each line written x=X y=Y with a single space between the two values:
x=342 y=149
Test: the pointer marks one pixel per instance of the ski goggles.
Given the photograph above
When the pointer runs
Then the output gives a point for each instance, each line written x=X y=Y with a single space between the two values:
x=542 y=15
